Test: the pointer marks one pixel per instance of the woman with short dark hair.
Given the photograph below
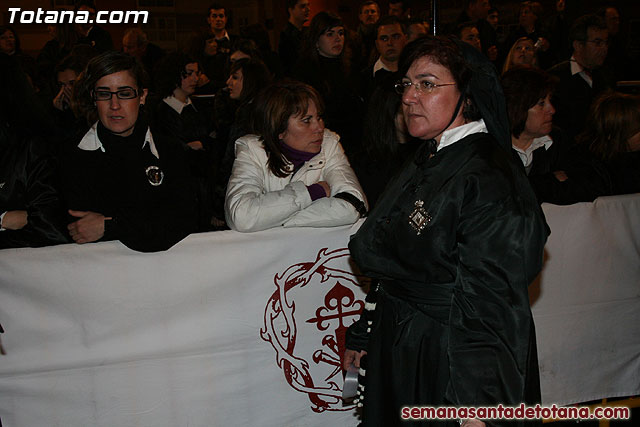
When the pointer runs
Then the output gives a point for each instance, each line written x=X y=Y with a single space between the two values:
x=291 y=172
x=453 y=244
x=123 y=181
x=177 y=116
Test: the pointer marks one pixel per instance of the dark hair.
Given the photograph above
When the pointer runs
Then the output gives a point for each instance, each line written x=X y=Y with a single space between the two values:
x=255 y=77
x=406 y=4
x=216 y=6
x=107 y=63
x=389 y=20
x=169 y=72
x=367 y=3
x=247 y=46
x=273 y=108
x=320 y=24
x=580 y=27
x=290 y=4
x=523 y=88
x=4 y=29
x=379 y=135
x=442 y=50
x=613 y=119
x=463 y=25
x=492 y=10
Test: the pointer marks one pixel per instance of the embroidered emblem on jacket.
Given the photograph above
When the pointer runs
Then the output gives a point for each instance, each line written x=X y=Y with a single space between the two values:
x=154 y=175
x=419 y=218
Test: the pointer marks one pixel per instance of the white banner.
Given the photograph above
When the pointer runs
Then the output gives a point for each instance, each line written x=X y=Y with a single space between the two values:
x=246 y=329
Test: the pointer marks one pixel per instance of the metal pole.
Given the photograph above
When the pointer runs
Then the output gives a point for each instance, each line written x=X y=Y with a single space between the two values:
x=435 y=19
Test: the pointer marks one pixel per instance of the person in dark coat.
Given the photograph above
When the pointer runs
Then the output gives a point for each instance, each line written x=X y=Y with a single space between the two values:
x=291 y=36
x=580 y=78
x=190 y=125
x=541 y=147
x=31 y=213
x=90 y=32
x=124 y=181
x=136 y=44
x=325 y=64
x=453 y=244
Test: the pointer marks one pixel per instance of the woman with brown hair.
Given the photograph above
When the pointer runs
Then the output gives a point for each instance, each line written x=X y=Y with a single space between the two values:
x=292 y=172
x=612 y=137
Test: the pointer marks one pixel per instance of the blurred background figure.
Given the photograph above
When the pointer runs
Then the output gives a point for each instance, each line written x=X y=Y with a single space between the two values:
x=390 y=40
x=31 y=213
x=234 y=108
x=136 y=43
x=66 y=72
x=217 y=19
x=400 y=9
x=581 y=77
x=540 y=147
x=90 y=33
x=521 y=54
x=9 y=42
x=364 y=39
x=259 y=35
x=189 y=126
x=291 y=36
x=529 y=26
x=468 y=33
x=386 y=143
x=416 y=27
x=612 y=137
x=325 y=63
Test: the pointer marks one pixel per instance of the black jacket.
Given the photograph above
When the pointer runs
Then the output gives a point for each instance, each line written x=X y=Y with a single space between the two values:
x=117 y=183
x=27 y=182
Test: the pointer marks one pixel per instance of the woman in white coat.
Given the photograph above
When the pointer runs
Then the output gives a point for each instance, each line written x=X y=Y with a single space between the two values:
x=292 y=172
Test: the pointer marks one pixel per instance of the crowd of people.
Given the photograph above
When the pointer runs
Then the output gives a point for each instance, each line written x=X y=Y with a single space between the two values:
x=198 y=103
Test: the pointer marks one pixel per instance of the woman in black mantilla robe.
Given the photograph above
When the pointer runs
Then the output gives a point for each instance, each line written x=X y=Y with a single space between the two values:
x=453 y=243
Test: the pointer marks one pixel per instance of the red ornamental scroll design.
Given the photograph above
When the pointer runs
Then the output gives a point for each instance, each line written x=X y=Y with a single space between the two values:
x=280 y=328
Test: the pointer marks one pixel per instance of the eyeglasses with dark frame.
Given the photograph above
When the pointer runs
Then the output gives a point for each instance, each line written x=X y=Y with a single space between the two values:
x=422 y=87
x=124 y=93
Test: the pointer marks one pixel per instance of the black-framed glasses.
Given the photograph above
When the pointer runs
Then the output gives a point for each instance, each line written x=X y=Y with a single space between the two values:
x=105 y=95
x=423 y=87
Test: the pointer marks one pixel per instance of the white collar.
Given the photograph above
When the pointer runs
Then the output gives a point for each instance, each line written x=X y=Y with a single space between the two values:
x=451 y=136
x=176 y=104
x=576 y=68
x=225 y=36
x=91 y=142
x=379 y=65
x=527 y=155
